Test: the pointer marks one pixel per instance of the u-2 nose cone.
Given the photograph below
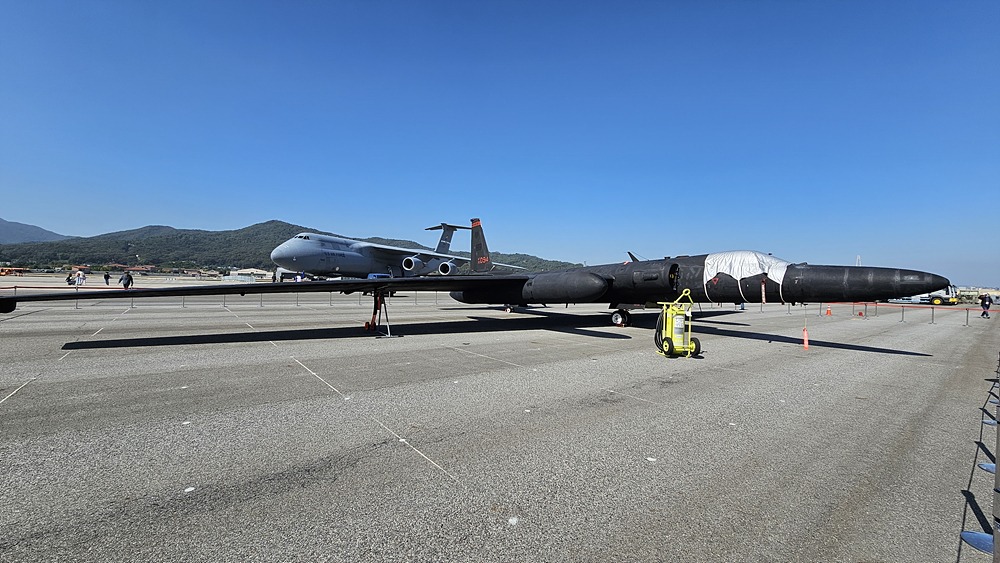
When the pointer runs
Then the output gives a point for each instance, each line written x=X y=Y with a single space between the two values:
x=937 y=282
x=915 y=282
x=807 y=283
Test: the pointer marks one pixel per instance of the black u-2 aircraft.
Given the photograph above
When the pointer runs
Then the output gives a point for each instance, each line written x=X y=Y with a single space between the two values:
x=740 y=276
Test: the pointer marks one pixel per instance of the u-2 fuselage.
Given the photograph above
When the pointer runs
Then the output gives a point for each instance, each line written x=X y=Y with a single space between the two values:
x=728 y=277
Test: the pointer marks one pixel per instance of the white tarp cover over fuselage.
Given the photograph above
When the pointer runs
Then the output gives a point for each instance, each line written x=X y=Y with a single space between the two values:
x=743 y=264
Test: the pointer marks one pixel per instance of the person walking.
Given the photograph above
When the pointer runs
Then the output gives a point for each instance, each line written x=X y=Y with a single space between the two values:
x=985 y=300
x=107 y=278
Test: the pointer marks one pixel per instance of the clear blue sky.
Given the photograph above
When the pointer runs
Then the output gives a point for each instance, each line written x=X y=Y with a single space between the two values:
x=818 y=131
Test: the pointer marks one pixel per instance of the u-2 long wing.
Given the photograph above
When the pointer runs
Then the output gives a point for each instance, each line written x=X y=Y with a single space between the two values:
x=424 y=283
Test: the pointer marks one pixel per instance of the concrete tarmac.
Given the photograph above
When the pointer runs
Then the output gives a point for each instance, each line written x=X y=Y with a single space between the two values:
x=276 y=429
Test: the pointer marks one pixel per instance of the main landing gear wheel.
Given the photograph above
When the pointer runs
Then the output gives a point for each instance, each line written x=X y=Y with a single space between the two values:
x=621 y=317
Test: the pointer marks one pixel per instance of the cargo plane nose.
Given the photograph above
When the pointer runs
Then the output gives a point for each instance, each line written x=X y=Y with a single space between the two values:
x=285 y=254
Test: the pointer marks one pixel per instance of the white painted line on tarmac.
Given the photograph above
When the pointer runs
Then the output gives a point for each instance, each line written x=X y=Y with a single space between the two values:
x=253 y=328
x=98 y=332
x=412 y=447
x=485 y=356
x=316 y=375
x=64 y=355
x=18 y=389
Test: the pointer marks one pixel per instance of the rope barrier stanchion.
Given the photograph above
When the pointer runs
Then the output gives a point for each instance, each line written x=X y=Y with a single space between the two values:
x=982 y=541
x=932 y=315
x=805 y=328
x=902 y=314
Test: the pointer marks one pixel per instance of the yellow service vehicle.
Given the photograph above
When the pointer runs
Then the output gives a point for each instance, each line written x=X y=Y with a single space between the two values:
x=946 y=296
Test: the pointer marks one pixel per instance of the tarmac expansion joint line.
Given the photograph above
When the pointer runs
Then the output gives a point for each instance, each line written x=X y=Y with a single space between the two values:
x=484 y=356
x=16 y=390
x=414 y=448
x=317 y=376
x=612 y=391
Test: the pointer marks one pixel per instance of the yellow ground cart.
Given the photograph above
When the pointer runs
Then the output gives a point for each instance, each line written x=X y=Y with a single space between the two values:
x=673 y=328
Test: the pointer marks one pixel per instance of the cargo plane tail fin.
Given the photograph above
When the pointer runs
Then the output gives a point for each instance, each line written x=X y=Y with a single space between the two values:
x=444 y=243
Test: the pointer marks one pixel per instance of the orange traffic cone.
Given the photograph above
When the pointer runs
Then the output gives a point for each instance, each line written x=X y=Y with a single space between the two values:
x=828 y=313
x=805 y=339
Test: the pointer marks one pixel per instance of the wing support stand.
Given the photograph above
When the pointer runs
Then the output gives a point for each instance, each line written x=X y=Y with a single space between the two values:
x=378 y=306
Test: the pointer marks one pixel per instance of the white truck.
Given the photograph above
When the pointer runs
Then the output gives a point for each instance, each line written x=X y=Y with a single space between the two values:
x=946 y=296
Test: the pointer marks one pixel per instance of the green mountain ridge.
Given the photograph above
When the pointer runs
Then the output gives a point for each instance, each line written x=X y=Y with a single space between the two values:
x=167 y=247
x=12 y=232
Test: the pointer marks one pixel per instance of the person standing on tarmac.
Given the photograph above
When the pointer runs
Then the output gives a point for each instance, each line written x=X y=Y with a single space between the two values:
x=985 y=300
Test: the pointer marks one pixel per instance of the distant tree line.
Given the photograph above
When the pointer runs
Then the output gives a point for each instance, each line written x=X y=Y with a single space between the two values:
x=170 y=248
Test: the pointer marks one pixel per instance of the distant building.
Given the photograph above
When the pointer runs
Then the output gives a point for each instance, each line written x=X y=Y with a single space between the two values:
x=252 y=272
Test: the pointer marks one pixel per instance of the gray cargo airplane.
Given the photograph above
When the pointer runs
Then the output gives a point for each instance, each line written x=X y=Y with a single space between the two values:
x=325 y=255
x=723 y=277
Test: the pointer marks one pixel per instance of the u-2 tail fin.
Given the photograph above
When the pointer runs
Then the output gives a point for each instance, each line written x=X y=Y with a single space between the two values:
x=481 y=261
